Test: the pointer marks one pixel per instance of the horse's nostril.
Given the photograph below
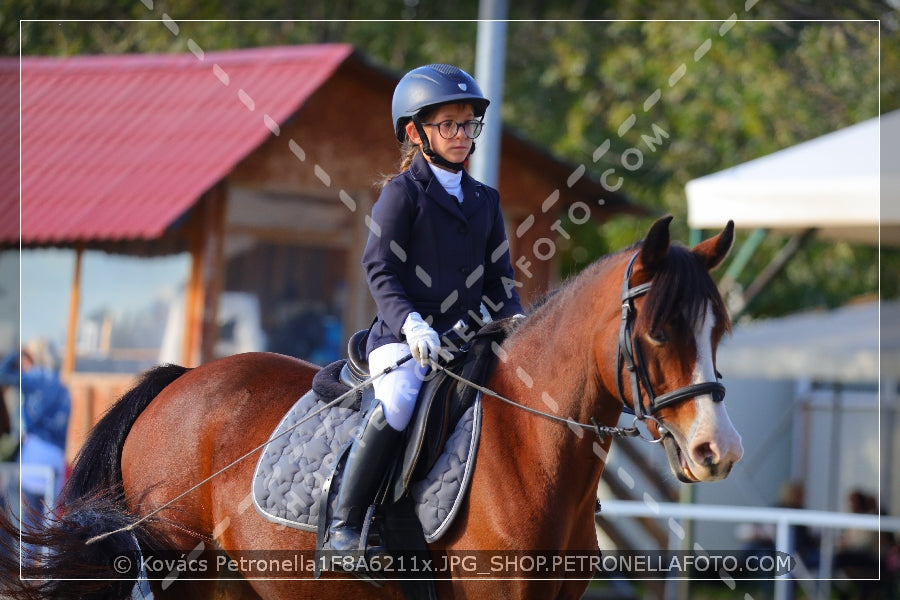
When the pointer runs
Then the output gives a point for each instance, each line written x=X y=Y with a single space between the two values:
x=704 y=454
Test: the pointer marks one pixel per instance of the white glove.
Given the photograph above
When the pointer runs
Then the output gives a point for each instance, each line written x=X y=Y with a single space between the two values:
x=424 y=343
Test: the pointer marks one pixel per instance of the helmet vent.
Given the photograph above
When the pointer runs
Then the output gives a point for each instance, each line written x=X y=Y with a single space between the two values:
x=445 y=69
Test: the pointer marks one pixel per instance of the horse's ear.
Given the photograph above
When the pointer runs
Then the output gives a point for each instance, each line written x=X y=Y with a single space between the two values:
x=656 y=244
x=714 y=250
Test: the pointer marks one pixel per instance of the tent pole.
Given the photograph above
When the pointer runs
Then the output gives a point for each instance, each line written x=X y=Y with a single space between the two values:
x=775 y=266
x=695 y=236
x=740 y=260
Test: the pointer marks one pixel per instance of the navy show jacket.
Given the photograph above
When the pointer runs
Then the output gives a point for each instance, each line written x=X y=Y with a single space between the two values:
x=428 y=253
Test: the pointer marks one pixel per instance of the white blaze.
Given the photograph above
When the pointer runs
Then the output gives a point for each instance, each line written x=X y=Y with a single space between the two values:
x=712 y=425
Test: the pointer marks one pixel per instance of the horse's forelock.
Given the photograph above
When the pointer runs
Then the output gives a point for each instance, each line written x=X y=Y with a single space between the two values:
x=680 y=292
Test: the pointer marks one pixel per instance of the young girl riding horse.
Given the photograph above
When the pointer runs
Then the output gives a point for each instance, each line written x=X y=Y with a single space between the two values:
x=436 y=250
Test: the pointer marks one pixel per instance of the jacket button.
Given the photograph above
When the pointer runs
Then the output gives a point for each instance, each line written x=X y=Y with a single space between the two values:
x=463 y=229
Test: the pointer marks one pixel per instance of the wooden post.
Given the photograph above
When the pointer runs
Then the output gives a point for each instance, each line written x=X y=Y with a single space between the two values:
x=193 y=297
x=212 y=269
x=206 y=227
x=68 y=366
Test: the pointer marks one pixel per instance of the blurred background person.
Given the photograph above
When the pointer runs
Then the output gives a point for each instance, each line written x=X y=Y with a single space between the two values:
x=45 y=408
x=856 y=557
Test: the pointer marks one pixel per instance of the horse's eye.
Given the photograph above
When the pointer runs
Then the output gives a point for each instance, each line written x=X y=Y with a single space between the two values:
x=658 y=337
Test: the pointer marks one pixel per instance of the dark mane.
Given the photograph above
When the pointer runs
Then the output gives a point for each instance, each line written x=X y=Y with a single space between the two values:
x=681 y=288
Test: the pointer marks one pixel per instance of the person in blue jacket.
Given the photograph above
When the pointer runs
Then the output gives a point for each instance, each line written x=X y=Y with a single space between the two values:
x=436 y=252
x=46 y=404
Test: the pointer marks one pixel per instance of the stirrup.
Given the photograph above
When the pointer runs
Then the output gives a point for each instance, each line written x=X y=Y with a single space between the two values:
x=363 y=556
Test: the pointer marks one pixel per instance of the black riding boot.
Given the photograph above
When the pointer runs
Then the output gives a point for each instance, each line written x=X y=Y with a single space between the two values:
x=367 y=463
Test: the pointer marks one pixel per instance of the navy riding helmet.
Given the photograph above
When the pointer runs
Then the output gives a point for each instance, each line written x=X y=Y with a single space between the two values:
x=430 y=86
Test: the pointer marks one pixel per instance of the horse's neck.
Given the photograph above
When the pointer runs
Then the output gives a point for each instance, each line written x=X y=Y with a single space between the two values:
x=550 y=365
x=553 y=357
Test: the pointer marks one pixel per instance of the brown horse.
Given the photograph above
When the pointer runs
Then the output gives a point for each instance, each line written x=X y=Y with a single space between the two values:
x=535 y=479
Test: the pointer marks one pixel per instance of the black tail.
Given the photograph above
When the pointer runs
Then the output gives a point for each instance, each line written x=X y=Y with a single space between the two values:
x=99 y=462
x=92 y=503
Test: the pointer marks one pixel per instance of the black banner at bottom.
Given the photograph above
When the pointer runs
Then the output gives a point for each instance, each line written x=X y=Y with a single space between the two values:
x=466 y=564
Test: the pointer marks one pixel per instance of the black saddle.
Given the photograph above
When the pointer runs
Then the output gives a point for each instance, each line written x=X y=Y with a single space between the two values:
x=442 y=399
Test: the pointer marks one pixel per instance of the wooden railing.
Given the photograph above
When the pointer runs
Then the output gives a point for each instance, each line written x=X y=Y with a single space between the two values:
x=92 y=394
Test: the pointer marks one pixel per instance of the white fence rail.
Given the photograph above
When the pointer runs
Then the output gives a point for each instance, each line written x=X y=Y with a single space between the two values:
x=781 y=518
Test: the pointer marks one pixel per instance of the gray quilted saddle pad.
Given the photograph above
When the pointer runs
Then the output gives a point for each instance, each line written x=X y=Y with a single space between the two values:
x=287 y=484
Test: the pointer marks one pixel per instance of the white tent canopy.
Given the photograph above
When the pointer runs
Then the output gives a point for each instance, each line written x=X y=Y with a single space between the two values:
x=831 y=183
x=839 y=345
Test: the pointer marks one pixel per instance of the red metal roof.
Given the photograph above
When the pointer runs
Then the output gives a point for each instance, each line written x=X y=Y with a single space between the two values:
x=118 y=147
x=9 y=150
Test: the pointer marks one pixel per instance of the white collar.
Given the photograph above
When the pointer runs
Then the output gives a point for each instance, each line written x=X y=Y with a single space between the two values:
x=447 y=178
x=452 y=182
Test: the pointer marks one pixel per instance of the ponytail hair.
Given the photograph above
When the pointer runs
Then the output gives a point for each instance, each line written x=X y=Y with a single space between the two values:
x=408 y=153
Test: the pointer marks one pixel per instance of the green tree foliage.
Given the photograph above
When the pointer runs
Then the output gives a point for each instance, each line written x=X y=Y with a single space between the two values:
x=731 y=87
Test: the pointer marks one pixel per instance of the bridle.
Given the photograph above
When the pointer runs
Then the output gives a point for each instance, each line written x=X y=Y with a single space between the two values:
x=630 y=353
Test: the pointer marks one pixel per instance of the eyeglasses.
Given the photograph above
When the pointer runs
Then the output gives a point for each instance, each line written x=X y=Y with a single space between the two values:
x=449 y=129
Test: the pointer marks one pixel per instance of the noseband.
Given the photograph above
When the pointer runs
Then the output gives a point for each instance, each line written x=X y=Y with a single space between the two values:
x=630 y=353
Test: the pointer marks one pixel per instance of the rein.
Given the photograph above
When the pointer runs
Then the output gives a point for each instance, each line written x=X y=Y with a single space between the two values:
x=596 y=428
